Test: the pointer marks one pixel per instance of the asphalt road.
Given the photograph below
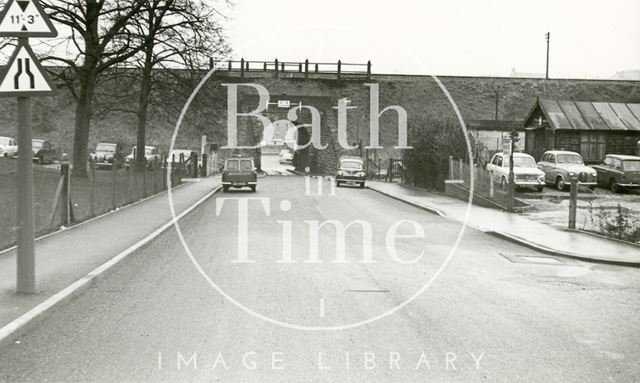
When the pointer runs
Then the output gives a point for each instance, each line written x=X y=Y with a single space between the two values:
x=491 y=315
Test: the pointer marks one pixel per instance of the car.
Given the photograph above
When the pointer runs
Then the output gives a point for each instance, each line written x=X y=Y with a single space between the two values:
x=151 y=154
x=106 y=153
x=619 y=172
x=238 y=172
x=8 y=147
x=525 y=170
x=286 y=157
x=559 y=166
x=350 y=171
x=43 y=152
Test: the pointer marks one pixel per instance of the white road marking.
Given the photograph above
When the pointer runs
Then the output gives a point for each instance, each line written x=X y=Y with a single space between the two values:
x=322 y=308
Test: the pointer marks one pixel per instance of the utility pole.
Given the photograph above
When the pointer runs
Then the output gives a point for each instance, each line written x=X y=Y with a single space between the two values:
x=548 y=38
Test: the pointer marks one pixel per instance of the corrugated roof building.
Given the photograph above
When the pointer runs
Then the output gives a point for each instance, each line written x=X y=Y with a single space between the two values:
x=590 y=128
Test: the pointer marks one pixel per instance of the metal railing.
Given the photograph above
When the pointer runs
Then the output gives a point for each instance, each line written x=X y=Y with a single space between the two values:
x=62 y=200
x=339 y=68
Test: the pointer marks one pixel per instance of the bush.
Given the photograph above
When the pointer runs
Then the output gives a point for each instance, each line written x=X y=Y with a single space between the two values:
x=433 y=141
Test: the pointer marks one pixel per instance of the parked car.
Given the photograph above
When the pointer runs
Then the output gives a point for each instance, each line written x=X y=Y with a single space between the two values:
x=106 y=153
x=286 y=157
x=350 y=171
x=619 y=172
x=525 y=170
x=151 y=154
x=8 y=147
x=239 y=172
x=559 y=166
x=43 y=151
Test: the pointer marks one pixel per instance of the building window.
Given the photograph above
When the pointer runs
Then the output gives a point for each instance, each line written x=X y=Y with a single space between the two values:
x=592 y=146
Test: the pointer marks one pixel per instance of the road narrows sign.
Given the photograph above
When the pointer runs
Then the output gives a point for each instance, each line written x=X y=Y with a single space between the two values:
x=25 y=18
x=24 y=76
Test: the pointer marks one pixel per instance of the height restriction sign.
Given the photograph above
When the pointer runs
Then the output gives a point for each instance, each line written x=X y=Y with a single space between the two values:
x=25 y=18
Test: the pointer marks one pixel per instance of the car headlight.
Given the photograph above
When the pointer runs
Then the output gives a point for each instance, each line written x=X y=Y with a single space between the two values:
x=541 y=178
x=594 y=174
x=361 y=174
x=340 y=173
x=572 y=174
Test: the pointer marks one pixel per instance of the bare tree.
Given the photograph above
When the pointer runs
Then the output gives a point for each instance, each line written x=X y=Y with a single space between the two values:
x=98 y=36
x=178 y=34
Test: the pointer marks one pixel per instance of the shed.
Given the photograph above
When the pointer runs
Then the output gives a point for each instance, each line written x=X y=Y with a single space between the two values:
x=591 y=128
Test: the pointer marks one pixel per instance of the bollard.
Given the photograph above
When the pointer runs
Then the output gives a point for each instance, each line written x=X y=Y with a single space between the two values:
x=205 y=166
x=194 y=165
x=573 y=202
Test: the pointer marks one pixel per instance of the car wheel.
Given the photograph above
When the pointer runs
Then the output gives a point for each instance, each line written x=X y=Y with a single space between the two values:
x=362 y=185
x=225 y=188
x=560 y=184
x=40 y=160
x=592 y=187
x=338 y=183
x=503 y=183
x=613 y=186
x=539 y=189
x=253 y=188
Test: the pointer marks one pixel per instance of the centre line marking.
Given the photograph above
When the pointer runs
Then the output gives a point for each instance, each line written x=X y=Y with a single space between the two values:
x=321 y=307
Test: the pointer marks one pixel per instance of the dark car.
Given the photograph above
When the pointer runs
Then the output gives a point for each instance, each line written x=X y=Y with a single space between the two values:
x=43 y=152
x=106 y=153
x=350 y=171
x=619 y=172
x=239 y=172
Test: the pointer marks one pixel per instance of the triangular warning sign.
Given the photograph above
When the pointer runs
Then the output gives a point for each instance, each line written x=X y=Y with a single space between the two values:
x=25 y=18
x=24 y=76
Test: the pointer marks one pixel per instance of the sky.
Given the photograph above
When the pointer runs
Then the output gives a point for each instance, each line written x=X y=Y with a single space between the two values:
x=589 y=38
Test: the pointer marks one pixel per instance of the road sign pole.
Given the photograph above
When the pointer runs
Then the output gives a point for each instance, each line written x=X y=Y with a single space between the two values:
x=24 y=78
x=26 y=267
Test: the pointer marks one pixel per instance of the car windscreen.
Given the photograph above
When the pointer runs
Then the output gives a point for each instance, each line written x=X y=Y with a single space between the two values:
x=246 y=165
x=520 y=162
x=232 y=165
x=350 y=164
x=37 y=144
x=631 y=166
x=148 y=150
x=5 y=141
x=105 y=148
x=569 y=159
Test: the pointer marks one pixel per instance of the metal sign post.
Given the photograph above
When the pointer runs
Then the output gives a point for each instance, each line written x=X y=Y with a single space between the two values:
x=24 y=78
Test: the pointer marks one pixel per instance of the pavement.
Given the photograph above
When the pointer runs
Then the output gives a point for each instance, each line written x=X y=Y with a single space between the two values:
x=66 y=256
x=518 y=229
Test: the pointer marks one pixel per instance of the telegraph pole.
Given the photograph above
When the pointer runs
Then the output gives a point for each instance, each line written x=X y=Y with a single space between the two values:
x=548 y=38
